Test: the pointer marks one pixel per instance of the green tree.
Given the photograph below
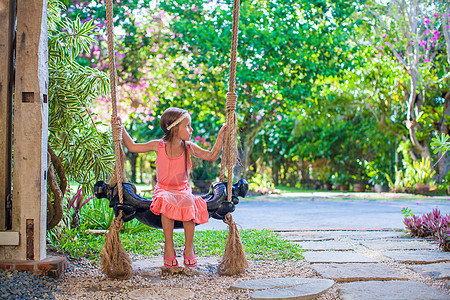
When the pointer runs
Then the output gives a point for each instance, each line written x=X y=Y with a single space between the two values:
x=283 y=47
x=78 y=151
x=416 y=34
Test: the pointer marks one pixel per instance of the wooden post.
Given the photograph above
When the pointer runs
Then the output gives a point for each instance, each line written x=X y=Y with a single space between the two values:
x=7 y=22
x=30 y=132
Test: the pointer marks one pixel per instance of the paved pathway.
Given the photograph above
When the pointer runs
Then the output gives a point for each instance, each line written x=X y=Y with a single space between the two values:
x=376 y=264
x=354 y=240
x=329 y=210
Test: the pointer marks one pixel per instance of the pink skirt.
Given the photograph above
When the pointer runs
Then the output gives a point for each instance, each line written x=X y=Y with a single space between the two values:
x=178 y=203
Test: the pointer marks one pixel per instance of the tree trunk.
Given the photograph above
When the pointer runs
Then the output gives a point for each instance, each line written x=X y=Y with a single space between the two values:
x=133 y=162
x=275 y=170
x=55 y=208
x=444 y=163
x=141 y=169
x=413 y=102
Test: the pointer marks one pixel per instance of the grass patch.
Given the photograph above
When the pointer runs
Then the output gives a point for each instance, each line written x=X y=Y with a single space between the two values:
x=258 y=244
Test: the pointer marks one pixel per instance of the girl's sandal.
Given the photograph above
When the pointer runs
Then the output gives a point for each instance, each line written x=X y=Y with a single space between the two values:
x=188 y=265
x=171 y=265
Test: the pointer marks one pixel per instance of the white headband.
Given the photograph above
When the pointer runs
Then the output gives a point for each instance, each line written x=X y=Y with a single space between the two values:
x=185 y=115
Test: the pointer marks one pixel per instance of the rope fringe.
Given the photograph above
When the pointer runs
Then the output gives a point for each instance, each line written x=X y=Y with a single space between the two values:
x=233 y=261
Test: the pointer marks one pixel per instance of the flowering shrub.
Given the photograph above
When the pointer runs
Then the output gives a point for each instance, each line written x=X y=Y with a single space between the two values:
x=432 y=225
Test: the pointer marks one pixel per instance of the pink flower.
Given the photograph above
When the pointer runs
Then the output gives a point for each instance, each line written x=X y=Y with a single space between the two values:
x=426 y=60
x=384 y=35
x=381 y=47
x=435 y=15
x=279 y=118
x=400 y=54
x=395 y=39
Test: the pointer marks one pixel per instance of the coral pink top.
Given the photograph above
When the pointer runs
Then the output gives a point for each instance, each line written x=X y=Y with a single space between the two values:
x=173 y=195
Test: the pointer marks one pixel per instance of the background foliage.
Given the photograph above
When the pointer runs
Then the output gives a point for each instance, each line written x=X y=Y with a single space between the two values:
x=324 y=91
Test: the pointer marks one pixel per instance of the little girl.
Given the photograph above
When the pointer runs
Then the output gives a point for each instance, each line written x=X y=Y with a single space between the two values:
x=173 y=197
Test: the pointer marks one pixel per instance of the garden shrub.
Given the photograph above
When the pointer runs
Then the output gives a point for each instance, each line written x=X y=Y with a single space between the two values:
x=432 y=225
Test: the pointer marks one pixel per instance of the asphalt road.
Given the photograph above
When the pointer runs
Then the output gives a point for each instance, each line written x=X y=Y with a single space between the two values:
x=322 y=210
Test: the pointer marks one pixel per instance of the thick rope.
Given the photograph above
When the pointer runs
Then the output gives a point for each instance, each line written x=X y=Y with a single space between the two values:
x=115 y=260
x=230 y=152
x=233 y=261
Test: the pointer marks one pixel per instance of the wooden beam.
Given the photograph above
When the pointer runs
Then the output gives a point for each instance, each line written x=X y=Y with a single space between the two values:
x=7 y=35
x=30 y=130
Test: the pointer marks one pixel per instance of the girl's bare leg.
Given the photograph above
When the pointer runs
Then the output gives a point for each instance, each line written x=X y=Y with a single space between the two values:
x=189 y=228
x=169 y=251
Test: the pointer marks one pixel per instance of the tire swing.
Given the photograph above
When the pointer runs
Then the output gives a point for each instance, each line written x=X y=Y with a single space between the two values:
x=127 y=204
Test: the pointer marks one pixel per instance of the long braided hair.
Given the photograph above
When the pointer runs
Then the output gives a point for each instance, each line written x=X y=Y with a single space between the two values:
x=169 y=116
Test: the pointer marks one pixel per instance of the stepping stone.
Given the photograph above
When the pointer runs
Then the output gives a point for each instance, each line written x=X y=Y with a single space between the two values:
x=357 y=272
x=161 y=293
x=153 y=267
x=285 y=288
x=325 y=245
x=306 y=236
x=437 y=271
x=398 y=245
x=336 y=257
x=368 y=235
x=418 y=257
x=390 y=290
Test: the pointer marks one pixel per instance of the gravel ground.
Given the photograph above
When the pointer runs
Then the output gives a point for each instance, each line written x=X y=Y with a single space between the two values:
x=23 y=285
x=83 y=280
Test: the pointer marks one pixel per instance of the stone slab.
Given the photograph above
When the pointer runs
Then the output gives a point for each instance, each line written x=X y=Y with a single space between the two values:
x=285 y=288
x=162 y=293
x=357 y=272
x=398 y=245
x=325 y=235
x=390 y=290
x=419 y=256
x=154 y=267
x=306 y=236
x=368 y=235
x=325 y=245
x=303 y=292
x=336 y=257
x=436 y=271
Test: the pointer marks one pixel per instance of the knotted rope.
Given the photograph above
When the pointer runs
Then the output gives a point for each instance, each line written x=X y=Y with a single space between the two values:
x=233 y=261
x=115 y=260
